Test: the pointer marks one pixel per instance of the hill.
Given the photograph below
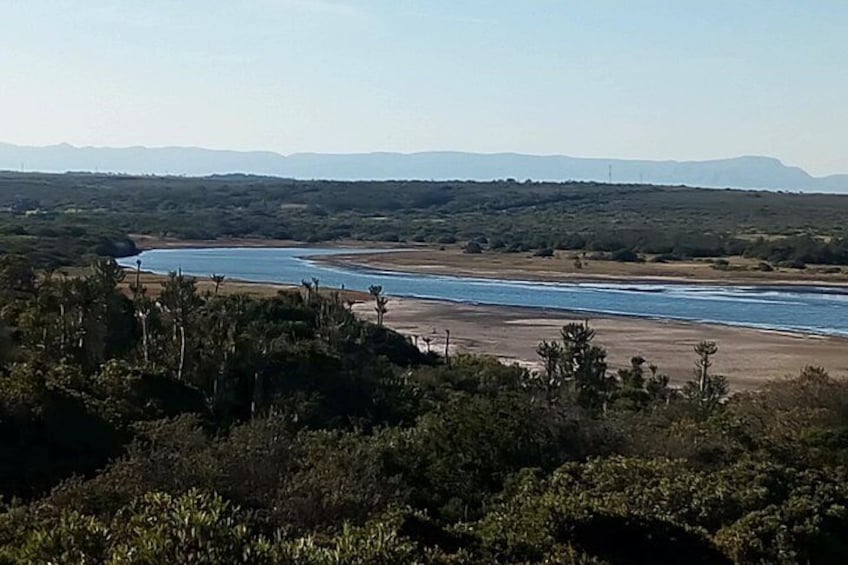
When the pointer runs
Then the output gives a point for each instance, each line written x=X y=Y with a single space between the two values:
x=739 y=172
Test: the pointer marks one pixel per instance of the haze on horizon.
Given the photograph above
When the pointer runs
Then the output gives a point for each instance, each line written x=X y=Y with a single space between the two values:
x=647 y=80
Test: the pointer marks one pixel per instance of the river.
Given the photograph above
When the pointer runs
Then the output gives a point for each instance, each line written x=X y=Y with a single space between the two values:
x=807 y=309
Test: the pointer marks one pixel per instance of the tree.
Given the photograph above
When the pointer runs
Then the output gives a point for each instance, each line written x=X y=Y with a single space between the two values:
x=180 y=302
x=631 y=393
x=552 y=354
x=584 y=365
x=634 y=376
x=307 y=286
x=657 y=386
x=16 y=275
x=218 y=280
x=473 y=248
x=705 y=351
x=136 y=287
x=380 y=302
x=81 y=318
x=708 y=390
x=143 y=309
x=447 y=347
x=107 y=314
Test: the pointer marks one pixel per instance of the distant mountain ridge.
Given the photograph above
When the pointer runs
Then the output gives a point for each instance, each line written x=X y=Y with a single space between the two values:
x=738 y=172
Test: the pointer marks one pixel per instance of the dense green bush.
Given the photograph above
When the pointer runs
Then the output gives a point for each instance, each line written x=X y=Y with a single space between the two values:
x=204 y=428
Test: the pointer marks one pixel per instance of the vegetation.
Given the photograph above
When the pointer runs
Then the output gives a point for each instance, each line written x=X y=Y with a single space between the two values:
x=169 y=425
x=173 y=426
x=59 y=219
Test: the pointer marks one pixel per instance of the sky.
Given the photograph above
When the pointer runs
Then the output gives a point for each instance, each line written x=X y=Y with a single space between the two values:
x=653 y=79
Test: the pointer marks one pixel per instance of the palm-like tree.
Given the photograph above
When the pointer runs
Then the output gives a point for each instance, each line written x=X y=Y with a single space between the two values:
x=380 y=302
x=584 y=364
x=552 y=355
x=447 y=347
x=218 y=280
x=705 y=351
x=179 y=300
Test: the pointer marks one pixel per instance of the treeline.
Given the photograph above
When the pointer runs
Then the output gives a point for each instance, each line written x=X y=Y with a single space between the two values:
x=51 y=241
x=632 y=246
x=59 y=218
x=171 y=425
x=800 y=250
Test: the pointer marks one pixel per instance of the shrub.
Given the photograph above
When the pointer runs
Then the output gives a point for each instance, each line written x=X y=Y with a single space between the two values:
x=720 y=264
x=792 y=264
x=624 y=256
x=473 y=248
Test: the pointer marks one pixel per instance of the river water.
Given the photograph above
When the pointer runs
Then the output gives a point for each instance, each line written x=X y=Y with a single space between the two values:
x=808 y=309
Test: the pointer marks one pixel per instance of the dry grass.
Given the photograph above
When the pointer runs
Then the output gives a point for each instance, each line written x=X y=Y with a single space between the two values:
x=153 y=283
x=155 y=242
x=563 y=267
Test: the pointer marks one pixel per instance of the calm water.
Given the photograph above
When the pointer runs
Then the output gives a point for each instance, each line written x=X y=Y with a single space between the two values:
x=806 y=309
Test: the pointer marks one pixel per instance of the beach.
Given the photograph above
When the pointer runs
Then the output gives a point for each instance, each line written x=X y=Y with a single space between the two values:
x=747 y=357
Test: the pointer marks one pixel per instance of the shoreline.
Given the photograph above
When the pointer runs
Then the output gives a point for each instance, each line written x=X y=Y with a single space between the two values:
x=571 y=313
x=578 y=314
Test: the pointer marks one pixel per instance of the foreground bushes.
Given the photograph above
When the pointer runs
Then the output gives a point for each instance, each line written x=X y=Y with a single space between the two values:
x=197 y=428
x=195 y=529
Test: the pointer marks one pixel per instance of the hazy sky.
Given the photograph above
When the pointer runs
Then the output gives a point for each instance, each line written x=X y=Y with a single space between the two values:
x=673 y=79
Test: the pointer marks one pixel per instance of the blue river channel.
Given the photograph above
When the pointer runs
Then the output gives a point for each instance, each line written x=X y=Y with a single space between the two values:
x=807 y=309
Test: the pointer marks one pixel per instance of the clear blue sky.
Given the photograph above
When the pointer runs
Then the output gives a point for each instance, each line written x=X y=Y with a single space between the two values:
x=673 y=79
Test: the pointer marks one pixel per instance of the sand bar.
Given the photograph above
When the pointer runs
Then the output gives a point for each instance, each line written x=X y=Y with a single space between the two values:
x=748 y=357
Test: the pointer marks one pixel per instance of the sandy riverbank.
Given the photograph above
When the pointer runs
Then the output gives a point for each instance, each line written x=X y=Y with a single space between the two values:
x=562 y=268
x=748 y=357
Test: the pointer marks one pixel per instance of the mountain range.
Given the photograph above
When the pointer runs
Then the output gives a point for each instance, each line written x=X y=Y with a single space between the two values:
x=739 y=172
